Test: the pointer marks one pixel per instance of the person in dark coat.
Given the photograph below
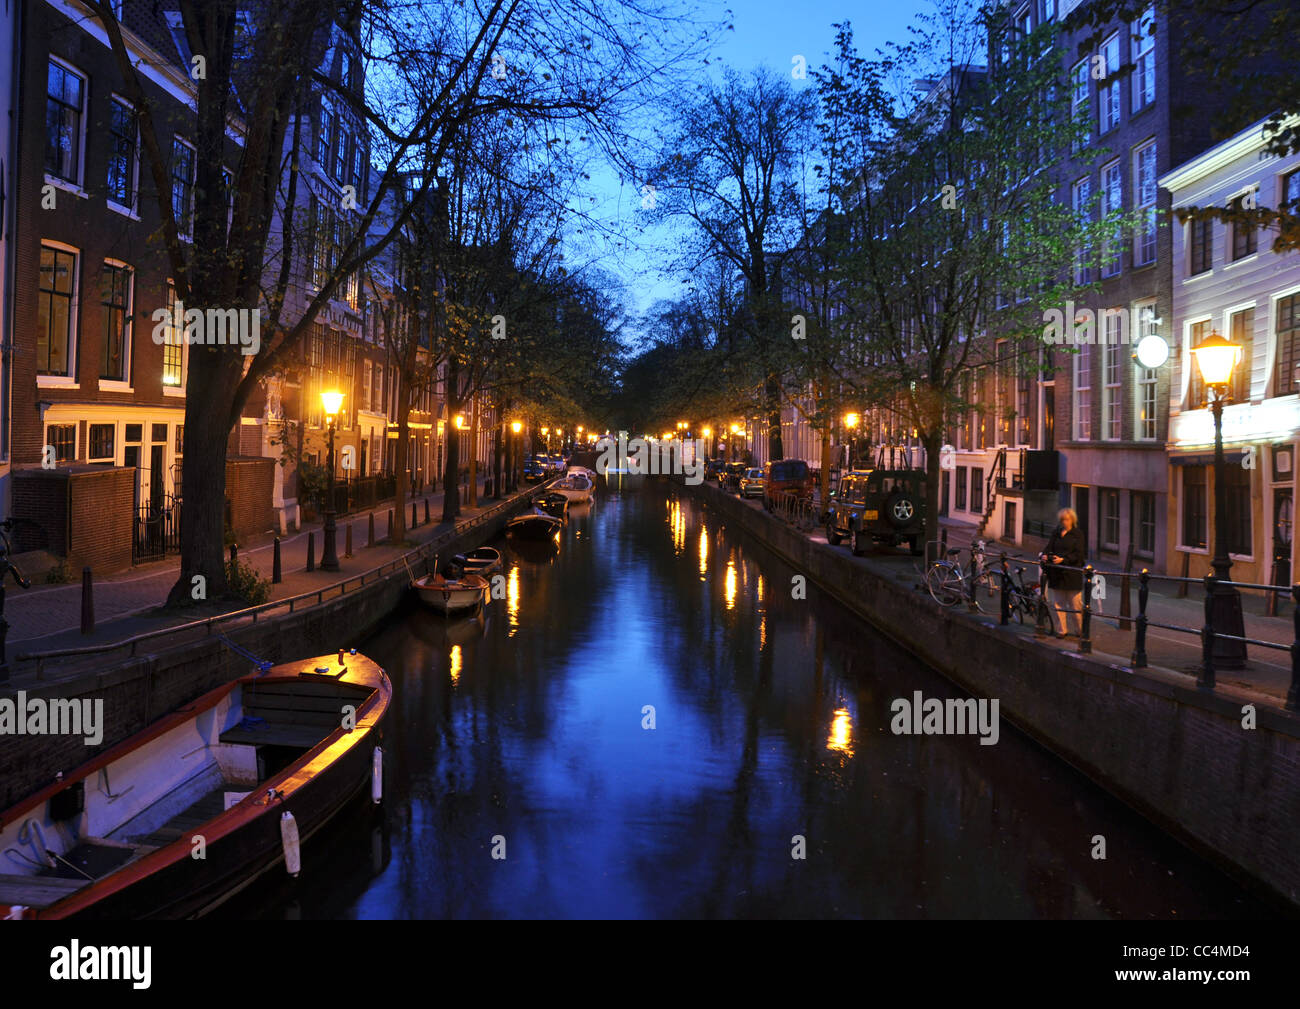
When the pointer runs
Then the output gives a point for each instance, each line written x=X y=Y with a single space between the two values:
x=1064 y=586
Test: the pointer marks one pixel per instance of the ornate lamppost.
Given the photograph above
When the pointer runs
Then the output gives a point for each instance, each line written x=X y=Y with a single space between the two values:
x=332 y=402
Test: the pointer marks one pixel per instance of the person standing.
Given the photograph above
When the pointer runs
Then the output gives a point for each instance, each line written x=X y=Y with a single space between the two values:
x=1065 y=586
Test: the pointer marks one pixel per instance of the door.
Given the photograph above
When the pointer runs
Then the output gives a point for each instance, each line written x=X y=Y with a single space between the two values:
x=1283 y=503
x=1049 y=417
x=1081 y=505
x=156 y=483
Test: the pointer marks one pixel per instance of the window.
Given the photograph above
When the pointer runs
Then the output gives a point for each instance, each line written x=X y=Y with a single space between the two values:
x=1002 y=388
x=366 y=379
x=1197 y=332
x=1109 y=509
x=324 y=135
x=1112 y=395
x=56 y=316
x=1291 y=191
x=961 y=488
x=1082 y=195
x=1108 y=87
x=1142 y=48
x=350 y=78
x=1241 y=330
x=63 y=439
x=1024 y=389
x=976 y=489
x=173 y=371
x=115 y=340
x=1142 y=522
x=1083 y=393
x=1079 y=77
x=1288 y=345
x=1194 y=507
x=65 y=107
x=101 y=443
x=183 y=186
x=1046 y=10
x=1239 y=502
x=121 y=154
x=1244 y=236
x=1112 y=202
x=1147 y=379
x=1144 y=200
x=1200 y=242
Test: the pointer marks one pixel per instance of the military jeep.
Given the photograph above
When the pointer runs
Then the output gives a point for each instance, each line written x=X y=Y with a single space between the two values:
x=884 y=506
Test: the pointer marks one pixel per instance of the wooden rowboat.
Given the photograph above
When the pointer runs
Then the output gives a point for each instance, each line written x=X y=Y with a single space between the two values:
x=577 y=487
x=534 y=525
x=480 y=561
x=553 y=503
x=451 y=595
x=244 y=775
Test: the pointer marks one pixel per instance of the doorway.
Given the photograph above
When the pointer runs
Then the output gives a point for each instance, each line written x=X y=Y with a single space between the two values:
x=1081 y=505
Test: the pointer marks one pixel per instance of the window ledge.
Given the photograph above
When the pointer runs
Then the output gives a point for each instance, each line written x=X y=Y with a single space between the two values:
x=112 y=385
x=66 y=186
x=117 y=208
x=1199 y=276
x=1198 y=551
x=56 y=382
x=171 y=390
x=1242 y=261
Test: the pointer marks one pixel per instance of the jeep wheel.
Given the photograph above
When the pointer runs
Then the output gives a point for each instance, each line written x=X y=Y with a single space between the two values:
x=900 y=509
x=856 y=543
x=832 y=534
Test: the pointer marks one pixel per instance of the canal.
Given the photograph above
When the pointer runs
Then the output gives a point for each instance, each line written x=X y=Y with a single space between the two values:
x=521 y=733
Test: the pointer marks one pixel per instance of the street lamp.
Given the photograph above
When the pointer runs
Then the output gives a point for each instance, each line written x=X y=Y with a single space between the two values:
x=850 y=422
x=515 y=427
x=331 y=402
x=1216 y=357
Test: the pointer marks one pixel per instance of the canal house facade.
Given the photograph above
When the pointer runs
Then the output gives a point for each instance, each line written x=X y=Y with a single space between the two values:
x=1228 y=280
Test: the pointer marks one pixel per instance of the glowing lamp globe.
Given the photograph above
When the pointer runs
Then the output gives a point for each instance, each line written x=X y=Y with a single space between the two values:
x=1216 y=357
x=1152 y=351
x=332 y=402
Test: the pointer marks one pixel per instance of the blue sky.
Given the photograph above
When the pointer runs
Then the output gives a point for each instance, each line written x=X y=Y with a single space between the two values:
x=766 y=32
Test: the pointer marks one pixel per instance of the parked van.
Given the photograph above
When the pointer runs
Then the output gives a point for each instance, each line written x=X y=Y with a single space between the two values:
x=786 y=476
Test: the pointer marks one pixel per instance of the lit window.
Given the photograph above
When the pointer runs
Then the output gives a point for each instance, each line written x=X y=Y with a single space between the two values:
x=115 y=299
x=56 y=312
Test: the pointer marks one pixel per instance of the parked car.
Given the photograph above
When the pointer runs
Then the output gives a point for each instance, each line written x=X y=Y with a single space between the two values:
x=785 y=477
x=751 y=484
x=878 y=506
x=713 y=469
x=731 y=476
x=558 y=463
x=533 y=471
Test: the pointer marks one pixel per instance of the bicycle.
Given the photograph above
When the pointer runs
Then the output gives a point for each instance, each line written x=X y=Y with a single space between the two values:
x=1026 y=600
x=949 y=582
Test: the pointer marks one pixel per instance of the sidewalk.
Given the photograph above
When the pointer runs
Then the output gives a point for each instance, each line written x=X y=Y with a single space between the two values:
x=45 y=618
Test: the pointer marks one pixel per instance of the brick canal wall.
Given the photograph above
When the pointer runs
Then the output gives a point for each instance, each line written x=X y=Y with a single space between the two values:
x=1176 y=754
x=138 y=691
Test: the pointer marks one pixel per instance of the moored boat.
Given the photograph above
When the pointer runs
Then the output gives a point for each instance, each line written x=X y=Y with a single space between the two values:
x=451 y=595
x=479 y=561
x=553 y=503
x=247 y=773
x=577 y=487
x=534 y=525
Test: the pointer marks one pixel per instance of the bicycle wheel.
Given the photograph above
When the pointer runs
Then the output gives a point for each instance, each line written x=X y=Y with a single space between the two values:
x=945 y=583
x=988 y=592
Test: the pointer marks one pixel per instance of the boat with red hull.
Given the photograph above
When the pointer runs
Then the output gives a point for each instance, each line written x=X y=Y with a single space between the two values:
x=178 y=818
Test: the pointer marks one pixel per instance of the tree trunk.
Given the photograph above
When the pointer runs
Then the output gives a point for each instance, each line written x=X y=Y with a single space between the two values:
x=398 y=533
x=933 y=442
x=498 y=462
x=775 y=449
x=473 y=453
x=826 y=466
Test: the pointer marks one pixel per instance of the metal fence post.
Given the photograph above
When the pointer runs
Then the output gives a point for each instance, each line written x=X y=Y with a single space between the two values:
x=276 y=576
x=1293 y=695
x=347 y=550
x=1140 y=646
x=1085 y=630
x=370 y=541
x=311 y=551
x=1206 y=679
x=87 y=601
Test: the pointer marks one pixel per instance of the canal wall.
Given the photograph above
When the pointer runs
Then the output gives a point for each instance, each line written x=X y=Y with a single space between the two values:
x=1178 y=755
x=137 y=690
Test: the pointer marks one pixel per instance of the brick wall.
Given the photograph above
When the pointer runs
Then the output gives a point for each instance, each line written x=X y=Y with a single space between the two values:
x=84 y=515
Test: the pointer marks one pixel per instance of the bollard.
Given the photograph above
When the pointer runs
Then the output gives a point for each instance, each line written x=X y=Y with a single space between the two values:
x=1206 y=679
x=414 y=523
x=347 y=547
x=370 y=541
x=311 y=551
x=1006 y=593
x=1140 y=646
x=426 y=511
x=234 y=554
x=276 y=576
x=1293 y=695
x=87 y=602
x=1085 y=630
x=390 y=525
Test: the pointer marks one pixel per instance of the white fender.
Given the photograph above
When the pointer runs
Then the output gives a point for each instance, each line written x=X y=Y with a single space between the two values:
x=289 y=840
x=377 y=776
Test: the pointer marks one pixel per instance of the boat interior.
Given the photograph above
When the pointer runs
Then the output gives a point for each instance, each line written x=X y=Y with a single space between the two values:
x=163 y=788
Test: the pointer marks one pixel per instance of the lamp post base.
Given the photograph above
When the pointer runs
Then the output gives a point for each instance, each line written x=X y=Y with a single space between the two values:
x=329 y=557
x=1226 y=609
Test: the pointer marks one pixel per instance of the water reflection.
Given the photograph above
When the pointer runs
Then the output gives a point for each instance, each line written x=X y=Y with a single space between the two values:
x=772 y=718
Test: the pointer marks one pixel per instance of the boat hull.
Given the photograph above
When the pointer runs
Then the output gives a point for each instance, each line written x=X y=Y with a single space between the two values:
x=533 y=527
x=453 y=597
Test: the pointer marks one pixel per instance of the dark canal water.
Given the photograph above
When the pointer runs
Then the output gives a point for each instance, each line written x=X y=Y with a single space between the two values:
x=771 y=720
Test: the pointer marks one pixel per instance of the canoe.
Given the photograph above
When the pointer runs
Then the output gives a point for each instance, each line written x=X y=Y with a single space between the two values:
x=451 y=595
x=534 y=525
x=480 y=561
x=247 y=773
